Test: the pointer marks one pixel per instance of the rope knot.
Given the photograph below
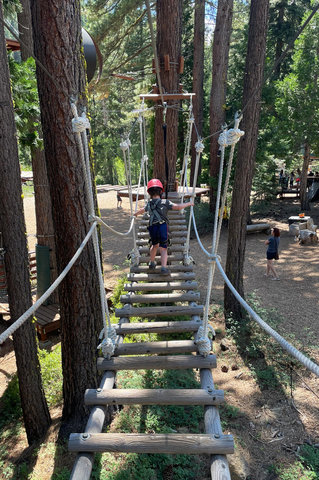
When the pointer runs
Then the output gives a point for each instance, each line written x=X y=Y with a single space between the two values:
x=80 y=124
x=234 y=135
x=203 y=342
x=125 y=144
x=199 y=146
x=222 y=139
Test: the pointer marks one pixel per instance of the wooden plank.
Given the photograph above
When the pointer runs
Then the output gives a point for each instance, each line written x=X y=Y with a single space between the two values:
x=164 y=362
x=170 y=258
x=161 y=298
x=166 y=96
x=160 y=286
x=155 y=277
x=167 y=311
x=172 y=443
x=173 y=268
x=219 y=467
x=170 y=249
x=153 y=397
x=167 y=347
x=158 y=327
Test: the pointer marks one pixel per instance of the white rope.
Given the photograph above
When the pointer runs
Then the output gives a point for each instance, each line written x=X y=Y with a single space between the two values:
x=100 y=221
x=81 y=137
x=125 y=146
x=313 y=367
x=226 y=138
x=199 y=149
x=20 y=321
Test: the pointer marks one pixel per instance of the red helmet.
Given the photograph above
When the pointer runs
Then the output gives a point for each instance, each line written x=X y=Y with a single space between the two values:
x=155 y=183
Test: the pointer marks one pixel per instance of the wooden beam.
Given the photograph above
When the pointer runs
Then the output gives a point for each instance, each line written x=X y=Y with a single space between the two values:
x=175 y=269
x=154 y=362
x=155 y=277
x=158 y=327
x=158 y=396
x=150 y=312
x=164 y=347
x=219 y=467
x=161 y=298
x=149 y=443
x=160 y=286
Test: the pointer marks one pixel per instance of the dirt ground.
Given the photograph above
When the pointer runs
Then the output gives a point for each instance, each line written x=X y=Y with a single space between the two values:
x=272 y=425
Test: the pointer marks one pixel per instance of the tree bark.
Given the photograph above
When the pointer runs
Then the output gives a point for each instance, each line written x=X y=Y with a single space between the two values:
x=168 y=41
x=79 y=293
x=42 y=198
x=198 y=79
x=245 y=164
x=219 y=83
x=304 y=203
x=12 y=225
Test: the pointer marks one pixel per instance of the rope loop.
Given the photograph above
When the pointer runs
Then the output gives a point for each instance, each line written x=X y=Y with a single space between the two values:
x=80 y=124
x=199 y=146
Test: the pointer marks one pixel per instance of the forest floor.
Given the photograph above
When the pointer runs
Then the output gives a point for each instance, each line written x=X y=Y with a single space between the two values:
x=271 y=411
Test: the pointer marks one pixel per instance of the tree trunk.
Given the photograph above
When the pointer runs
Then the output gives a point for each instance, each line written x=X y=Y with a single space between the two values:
x=246 y=154
x=12 y=225
x=198 y=78
x=42 y=199
x=168 y=41
x=80 y=307
x=219 y=82
x=304 y=203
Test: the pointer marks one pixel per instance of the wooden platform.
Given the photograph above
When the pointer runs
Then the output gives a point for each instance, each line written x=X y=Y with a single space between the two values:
x=47 y=320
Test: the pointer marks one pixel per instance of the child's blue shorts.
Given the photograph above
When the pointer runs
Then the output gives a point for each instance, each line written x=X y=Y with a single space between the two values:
x=159 y=234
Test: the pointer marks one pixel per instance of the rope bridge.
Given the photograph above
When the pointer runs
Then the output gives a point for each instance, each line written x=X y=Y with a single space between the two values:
x=151 y=296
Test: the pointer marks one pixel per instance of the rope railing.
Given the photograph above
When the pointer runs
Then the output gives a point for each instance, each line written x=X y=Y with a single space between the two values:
x=20 y=321
x=312 y=366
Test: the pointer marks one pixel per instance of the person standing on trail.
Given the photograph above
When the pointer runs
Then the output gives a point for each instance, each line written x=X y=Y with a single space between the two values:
x=272 y=253
x=158 y=222
x=119 y=200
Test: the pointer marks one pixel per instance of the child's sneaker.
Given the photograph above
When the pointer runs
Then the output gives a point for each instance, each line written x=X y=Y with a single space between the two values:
x=152 y=265
x=165 y=271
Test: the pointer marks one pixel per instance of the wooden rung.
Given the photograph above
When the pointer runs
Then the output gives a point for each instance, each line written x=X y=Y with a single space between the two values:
x=154 y=362
x=170 y=258
x=160 y=396
x=150 y=312
x=167 y=347
x=170 y=249
x=158 y=327
x=173 y=268
x=144 y=287
x=155 y=277
x=161 y=297
x=170 y=443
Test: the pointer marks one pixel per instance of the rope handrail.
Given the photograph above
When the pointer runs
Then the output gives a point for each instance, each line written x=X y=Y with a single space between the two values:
x=312 y=366
x=9 y=331
x=101 y=222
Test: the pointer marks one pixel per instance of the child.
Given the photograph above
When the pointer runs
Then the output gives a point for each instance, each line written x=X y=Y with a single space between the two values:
x=119 y=200
x=158 y=211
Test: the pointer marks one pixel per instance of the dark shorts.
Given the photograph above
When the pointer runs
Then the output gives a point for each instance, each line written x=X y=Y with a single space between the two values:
x=159 y=234
x=271 y=255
